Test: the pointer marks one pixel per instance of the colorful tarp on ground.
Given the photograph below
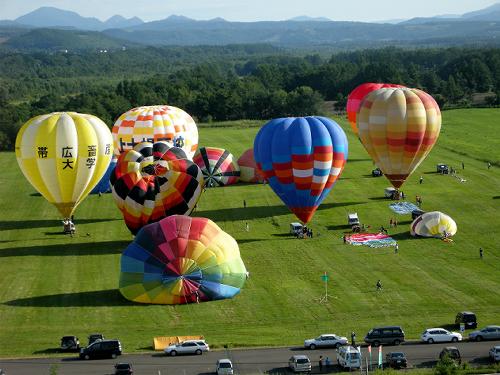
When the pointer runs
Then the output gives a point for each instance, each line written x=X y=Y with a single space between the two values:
x=370 y=239
x=403 y=208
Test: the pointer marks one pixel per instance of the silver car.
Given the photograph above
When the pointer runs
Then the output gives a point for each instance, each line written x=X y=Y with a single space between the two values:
x=487 y=333
x=187 y=347
x=495 y=354
x=325 y=340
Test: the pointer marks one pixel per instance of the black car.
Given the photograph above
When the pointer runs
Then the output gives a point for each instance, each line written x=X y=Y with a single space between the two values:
x=396 y=360
x=392 y=335
x=377 y=172
x=416 y=213
x=70 y=343
x=466 y=317
x=102 y=349
x=123 y=369
x=452 y=352
x=95 y=337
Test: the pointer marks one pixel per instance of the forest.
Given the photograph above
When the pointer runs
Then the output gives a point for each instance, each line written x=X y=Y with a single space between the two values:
x=232 y=82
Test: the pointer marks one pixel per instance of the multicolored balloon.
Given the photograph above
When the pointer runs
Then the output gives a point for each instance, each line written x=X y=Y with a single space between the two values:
x=104 y=185
x=153 y=181
x=398 y=128
x=433 y=224
x=181 y=260
x=301 y=158
x=153 y=124
x=64 y=155
x=356 y=97
x=248 y=168
x=218 y=166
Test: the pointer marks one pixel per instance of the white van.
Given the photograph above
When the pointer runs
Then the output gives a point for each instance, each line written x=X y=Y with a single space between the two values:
x=300 y=363
x=224 y=367
x=349 y=357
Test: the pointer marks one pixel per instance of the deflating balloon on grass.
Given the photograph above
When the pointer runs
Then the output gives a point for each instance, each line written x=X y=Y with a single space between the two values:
x=433 y=224
x=181 y=260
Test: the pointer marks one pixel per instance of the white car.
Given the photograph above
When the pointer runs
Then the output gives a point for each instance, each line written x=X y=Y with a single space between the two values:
x=495 y=353
x=187 y=347
x=224 y=367
x=325 y=340
x=432 y=335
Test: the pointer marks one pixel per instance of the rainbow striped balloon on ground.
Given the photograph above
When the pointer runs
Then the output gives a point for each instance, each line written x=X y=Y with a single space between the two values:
x=154 y=124
x=301 y=158
x=218 y=166
x=153 y=181
x=181 y=260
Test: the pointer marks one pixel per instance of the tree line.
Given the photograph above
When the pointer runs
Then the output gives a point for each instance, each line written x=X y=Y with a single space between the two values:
x=245 y=84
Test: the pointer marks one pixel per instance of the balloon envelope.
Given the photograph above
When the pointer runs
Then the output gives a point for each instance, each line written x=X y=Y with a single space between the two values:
x=301 y=158
x=398 y=128
x=153 y=124
x=356 y=97
x=248 y=168
x=153 y=181
x=64 y=155
x=104 y=186
x=181 y=260
x=433 y=224
x=218 y=166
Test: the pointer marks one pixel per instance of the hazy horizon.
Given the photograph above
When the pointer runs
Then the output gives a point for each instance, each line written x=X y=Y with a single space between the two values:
x=260 y=10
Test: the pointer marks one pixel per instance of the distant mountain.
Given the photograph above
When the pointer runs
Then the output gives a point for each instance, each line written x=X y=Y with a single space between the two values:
x=307 y=18
x=119 y=22
x=491 y=13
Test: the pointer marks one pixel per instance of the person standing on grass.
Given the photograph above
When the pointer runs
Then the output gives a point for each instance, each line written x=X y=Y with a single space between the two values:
x=396 y=248
x=379 y=285
x=421 y=180
x=481 y=253
x=244 y=203
x=489 y=165
x=463 y=165
x=353 y=338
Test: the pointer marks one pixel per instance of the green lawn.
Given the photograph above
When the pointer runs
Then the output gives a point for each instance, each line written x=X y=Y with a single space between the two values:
x=53 y=285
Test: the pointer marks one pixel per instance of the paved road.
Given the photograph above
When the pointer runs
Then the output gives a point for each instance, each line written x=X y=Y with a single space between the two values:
x=246 y=362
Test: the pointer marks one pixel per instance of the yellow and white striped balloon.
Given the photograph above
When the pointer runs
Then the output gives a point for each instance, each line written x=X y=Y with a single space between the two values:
x=433 y=224
x=64 y=155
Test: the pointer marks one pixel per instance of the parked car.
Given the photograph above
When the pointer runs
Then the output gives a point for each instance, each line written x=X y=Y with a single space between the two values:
x=295 y=228
x=224 y=367
x=123 y=369
x=416 y=213
x=102 y=349
x=385 y=335
x=353 y=221
x=495 y=353
x=396 y=360
x=95 y=337
x=70 y=343
x=376 y=172
x=389 y=192
x=187 y=347
x=487 y=333
x=442 y=168
x=433 y=335
x=466 y=317
x=348 y=357
x=325 y=340
x=300 y=363
x=452 y=352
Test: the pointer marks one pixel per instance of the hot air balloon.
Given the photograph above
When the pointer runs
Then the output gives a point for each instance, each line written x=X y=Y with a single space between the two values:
x=248 y=168
x=398 y=128
x=64 y=155
x=104 y=185
x=218 y=166
x=356 y=97
x=433 y=224
x=153 y=124
x=181 y=260
x=301 y=158
x=154 y=180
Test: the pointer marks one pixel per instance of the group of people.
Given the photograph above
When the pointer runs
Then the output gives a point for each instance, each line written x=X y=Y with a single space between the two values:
x=327 y=362
x=304 y=233
x=393 y=222
x=68 y=227
x=418 y=200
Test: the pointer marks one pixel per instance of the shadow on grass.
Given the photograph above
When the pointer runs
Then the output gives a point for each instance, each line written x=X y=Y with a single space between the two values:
x=35 y=195
x=427 y=364
x=496 y=197
x=249 y=240
x=30 y=224
x=259 y=212
x=379 y=199
x=402 y=236
x=343 y=227
x=283 y=235
x=357 y=160
x=69 y=249
x=109 y=297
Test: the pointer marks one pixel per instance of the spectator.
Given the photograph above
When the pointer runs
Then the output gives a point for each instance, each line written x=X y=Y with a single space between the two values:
x=320 y=363
x=421 y=180
x=379 y=285
x=481 y=252
x=396 y=248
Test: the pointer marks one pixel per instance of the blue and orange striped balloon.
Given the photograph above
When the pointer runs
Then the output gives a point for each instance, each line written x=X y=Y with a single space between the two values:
x=301 y=157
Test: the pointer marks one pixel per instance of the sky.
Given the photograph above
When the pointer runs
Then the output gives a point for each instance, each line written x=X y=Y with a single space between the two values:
x=251 y=10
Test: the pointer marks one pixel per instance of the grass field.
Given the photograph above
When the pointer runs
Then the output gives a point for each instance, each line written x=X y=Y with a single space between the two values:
x=53 y=285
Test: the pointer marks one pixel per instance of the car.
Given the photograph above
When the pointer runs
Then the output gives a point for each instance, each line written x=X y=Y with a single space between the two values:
x=442 y=168
x=187 y=347
x=300 y=363
x=433 y=335
x=102 y=349
x=389 y=192
x=123 y=369
x=353 y=221
x=224 y=367
x=466 y=317
x=95 y=337
x=70 y=343
x=349 y=357
x=452 y=352
x=487 y=333
x=325 y=340
x=296 y=228
x=376 y=172
x=417 y=213
x=385 y=335
x=396 y=359
x=495 y=353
